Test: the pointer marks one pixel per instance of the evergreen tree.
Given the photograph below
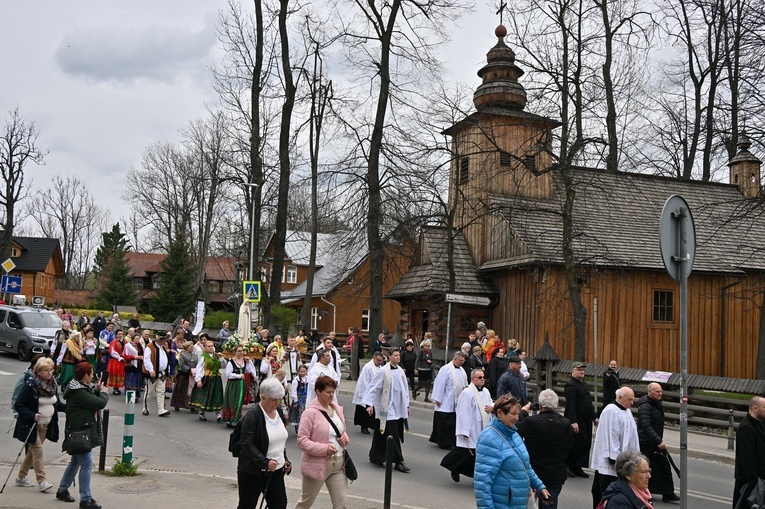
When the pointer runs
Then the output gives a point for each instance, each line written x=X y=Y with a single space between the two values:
x=176 y=290
x=113 y=269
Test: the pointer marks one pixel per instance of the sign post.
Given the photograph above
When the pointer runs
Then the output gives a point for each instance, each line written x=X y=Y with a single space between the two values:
x=677 y=239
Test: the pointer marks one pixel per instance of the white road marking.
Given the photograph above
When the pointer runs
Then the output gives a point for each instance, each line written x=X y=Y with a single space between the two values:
x=6 y=373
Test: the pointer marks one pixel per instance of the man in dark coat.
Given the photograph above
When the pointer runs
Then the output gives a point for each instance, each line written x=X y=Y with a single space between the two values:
x=650 y=424
x=547 y=436
x=512 y=382
x=750 y=449
x=610 y=384
x=581 y=412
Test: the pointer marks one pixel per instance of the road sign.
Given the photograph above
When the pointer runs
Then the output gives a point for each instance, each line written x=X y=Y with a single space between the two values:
x=251 y=291
x=474 y=300
x=677 y=237
x=10 y=284
x=8 y=265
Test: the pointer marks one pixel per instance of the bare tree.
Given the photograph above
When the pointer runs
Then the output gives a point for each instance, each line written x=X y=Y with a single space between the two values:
x=67 y=211
x=18 y=148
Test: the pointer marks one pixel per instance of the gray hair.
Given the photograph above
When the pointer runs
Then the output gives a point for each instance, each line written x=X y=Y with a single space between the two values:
x=628 y=462
x=271 y=387
x=476 y=370
x=459 y=355
x=548 y=399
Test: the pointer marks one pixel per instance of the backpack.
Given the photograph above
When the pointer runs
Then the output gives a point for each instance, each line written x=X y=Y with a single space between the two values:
x=235 y=440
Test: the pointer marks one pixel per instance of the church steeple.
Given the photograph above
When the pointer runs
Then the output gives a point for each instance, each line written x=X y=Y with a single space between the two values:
x=500 y=87
x=745 y=168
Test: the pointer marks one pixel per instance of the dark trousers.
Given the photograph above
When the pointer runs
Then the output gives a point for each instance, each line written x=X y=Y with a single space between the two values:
x=393 y=428
x=251 y=486
x=599 y=484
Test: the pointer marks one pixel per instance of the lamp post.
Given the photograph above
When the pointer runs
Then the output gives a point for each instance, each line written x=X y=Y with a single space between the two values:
x=251 y=272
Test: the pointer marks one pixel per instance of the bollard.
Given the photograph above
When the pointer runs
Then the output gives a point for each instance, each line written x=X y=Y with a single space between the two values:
x=104 y=435
x=388 y=471
x=731 y=429
x=127 y=434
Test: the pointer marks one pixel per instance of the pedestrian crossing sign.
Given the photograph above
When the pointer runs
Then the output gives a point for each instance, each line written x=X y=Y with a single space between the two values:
x=251 y=291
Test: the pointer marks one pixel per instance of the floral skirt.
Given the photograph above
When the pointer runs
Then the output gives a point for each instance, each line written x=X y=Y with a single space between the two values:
x=116 y=374
x=208 y=398
x=233 y=400
x=134 y=381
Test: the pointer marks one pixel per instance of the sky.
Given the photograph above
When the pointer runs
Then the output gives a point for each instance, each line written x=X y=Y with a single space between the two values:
x=104 y=80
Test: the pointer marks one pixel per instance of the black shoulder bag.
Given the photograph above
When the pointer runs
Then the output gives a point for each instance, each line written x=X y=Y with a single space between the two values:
x=348 y=467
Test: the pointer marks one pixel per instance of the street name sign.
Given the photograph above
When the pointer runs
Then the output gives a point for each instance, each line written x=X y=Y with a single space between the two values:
x=474 y=300
x=10 y=284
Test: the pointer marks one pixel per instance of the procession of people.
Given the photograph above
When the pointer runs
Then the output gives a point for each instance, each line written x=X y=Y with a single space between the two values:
x=468 y=422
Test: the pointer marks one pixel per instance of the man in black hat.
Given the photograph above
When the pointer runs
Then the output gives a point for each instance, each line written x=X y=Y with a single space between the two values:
x=155 y=363
x=512 y=381
x=581 y=412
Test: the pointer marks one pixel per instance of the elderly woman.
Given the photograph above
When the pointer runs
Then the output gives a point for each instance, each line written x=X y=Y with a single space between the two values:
x=323 y=440
x=71 y=354
x=503 y=474
x=630 y=490
x=423 y=368
x=37 y=407
x=224 y=333
x=263 y=459
x=82 y=403
x=187 y=364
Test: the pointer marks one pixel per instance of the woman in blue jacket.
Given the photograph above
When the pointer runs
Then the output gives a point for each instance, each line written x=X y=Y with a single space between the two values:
x=503 y=474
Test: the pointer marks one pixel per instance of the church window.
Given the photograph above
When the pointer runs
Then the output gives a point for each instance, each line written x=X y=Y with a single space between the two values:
x=663 y=306
x=464 y=171
x=505 y=159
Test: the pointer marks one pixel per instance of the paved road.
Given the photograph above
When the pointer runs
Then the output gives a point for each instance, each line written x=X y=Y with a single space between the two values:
x=182 y=444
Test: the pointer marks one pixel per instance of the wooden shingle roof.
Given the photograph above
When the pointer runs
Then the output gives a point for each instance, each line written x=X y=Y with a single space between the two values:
x=430 y=274
x=36 y=252
x=616 y=221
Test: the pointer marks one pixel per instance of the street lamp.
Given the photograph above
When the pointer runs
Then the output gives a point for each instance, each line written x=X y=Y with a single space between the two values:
x=251 y=273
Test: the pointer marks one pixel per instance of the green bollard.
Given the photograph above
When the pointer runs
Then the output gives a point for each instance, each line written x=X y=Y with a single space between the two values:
x=127 y=437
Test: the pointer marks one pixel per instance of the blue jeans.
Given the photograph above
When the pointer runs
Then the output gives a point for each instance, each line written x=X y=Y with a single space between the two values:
x=83 y=463
x=554 y=490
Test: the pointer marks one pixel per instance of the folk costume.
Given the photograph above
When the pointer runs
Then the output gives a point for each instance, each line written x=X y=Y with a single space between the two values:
x=292 y=363
x=299 y=393
x=361 y=417
x=388 y=393
x=209 y=397
x=116 y=366
x=449 y=384
x=133 y=373
x=183 y=380
x=155 y=359
x=90 y=349
x=472 y=418
x=71 y=354
x=236 y=389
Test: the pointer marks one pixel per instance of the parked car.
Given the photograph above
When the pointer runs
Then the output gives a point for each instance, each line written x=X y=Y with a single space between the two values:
x=27 y=331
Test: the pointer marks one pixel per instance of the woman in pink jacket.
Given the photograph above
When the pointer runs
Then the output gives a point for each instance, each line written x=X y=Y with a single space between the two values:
x=323 y=449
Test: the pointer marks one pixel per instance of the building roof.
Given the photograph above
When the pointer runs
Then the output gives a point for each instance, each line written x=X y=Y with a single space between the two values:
x=616 y=223
x=36 y=252
x=337 y=256
x=218 y=268
x=429 y=274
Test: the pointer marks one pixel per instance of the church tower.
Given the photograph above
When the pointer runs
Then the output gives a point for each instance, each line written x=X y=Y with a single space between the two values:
x=500 y=149
x=745 y=169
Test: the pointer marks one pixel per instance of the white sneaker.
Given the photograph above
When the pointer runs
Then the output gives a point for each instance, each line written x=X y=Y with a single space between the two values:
x=25 y=482
x=45 y=486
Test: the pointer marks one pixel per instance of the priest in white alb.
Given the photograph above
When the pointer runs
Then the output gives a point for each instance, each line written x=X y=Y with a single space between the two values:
x=449 y=384
x=368 y=372
x=321 y=368
x=474 y=409
x=387 y=397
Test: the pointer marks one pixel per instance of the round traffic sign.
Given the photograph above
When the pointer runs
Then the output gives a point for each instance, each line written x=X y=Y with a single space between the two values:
x=677 y=237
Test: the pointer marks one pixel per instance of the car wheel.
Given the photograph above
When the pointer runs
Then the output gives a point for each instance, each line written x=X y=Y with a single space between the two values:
x=23 y=352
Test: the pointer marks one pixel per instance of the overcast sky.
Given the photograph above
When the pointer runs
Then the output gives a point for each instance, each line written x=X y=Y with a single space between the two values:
x=104 y=80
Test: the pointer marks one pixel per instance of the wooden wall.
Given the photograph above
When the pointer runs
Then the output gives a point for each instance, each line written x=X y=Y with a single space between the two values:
x=536 y=302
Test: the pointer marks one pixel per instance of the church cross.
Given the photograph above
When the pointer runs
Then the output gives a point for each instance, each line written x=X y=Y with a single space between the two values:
x=501 y=10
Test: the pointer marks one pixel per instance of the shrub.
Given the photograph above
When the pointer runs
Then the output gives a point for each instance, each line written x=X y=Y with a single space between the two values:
x=215 y=319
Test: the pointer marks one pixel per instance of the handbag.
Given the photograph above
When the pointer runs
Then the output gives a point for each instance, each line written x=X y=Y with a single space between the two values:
x=78 y=442
x=348 y=467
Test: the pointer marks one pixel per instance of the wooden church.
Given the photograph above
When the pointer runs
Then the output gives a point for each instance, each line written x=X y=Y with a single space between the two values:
x=507 y=243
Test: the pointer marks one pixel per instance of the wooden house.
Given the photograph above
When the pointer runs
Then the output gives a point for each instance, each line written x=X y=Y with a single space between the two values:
x=340 y=296
x=39 y=264
x=509 y=244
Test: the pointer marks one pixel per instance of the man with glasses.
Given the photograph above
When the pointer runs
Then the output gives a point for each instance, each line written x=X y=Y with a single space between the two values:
x=450 y=382
x=616 y=434
x=581 y=412
x=474 y=409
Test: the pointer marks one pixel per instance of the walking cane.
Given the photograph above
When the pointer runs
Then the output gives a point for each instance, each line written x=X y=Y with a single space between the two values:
x=672 y=463
x=23 y=446
x=265 y=490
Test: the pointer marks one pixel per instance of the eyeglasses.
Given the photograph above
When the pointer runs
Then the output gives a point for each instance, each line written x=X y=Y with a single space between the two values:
x=478 y=377
x=646 y=471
